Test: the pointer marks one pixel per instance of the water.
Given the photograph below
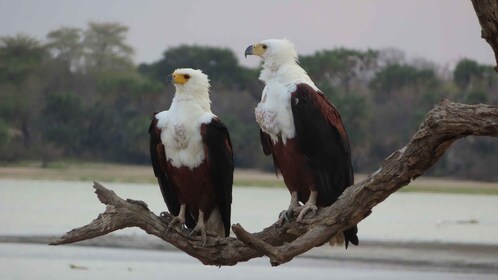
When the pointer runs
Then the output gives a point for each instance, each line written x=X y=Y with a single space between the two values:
x=54 y=207
x=27 y=261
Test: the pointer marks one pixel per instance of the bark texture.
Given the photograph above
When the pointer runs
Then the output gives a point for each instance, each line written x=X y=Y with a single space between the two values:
x=443 y=125
x=487 y=13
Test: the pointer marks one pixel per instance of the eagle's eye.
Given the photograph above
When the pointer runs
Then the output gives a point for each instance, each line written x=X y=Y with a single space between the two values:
x=265 y=47
x=187 y=76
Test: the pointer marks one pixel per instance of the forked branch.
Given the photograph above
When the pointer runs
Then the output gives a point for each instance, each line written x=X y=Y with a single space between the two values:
x=443 y=125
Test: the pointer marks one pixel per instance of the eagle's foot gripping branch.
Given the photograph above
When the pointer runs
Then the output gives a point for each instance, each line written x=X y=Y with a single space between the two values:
x=304 y=210
x=176 y=221
x=284 y=216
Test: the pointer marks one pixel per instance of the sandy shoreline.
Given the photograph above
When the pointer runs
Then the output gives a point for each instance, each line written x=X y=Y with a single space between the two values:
x=109 y=172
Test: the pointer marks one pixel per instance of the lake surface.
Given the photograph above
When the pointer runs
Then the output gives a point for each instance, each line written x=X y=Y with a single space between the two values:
x=53 y=207
x=28 y=261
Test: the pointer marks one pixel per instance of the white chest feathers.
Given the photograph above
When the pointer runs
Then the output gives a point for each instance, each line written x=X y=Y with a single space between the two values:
x=274 y=112
x=181 y=137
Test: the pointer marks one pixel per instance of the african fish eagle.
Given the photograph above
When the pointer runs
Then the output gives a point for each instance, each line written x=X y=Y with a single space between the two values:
x=192 y=157
x=303 y=132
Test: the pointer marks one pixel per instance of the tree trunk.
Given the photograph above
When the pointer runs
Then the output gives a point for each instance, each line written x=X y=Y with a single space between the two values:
x=487 y=13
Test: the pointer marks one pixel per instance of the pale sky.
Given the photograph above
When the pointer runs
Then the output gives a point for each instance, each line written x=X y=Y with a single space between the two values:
x=442 y=31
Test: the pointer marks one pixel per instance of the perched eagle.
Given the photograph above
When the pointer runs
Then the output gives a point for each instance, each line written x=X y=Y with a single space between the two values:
x=192 y=157
x=303 y=132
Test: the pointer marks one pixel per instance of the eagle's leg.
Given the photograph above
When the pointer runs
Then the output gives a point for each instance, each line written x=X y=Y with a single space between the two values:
x=287 y=214
x=180 y=219
x=200 y=227
x=309 y=206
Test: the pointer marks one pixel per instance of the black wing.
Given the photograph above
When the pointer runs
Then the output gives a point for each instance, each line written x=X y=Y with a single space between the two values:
x=158 y=159
x=267 y=145
x=323 y=139
x=219 y=157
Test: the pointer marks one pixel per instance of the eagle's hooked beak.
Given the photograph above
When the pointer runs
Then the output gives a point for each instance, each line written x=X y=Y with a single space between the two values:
x=258 y=49
x=249 y=51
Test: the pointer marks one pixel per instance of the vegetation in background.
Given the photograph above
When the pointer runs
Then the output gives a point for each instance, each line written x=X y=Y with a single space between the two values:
x=78 y=95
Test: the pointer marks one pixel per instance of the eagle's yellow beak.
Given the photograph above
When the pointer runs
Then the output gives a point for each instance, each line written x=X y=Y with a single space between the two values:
x=180 y=78
x=256 y=49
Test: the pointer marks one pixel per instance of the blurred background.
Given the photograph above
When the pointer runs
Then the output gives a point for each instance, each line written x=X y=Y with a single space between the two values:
x=75 y=86
x=80 y=81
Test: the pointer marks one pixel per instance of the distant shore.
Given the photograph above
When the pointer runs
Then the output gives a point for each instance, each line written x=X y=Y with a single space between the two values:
x=110 y=172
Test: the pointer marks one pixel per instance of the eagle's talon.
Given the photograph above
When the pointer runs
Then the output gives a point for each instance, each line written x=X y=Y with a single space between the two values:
x=202 y=233
x=176 y=220
x=284 y=216
x=200 y=228
x=163 y=214
x=281 y=218
x=307 y=208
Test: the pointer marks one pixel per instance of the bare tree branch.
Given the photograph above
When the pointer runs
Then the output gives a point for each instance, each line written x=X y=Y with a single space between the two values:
x=443 y=125
x=487 y=13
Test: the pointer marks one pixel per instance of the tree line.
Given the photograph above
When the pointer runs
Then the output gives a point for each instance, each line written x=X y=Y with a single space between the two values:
x=78 y=95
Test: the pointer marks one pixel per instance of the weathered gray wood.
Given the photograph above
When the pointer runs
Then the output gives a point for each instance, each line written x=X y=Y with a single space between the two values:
x=443 y=125
x=487 y=13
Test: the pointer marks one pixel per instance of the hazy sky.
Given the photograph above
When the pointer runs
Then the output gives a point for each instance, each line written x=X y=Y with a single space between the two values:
x=442 y=31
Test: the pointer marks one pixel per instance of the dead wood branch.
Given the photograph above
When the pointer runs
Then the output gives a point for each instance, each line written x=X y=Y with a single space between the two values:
x=487 y=13
x=443 y=125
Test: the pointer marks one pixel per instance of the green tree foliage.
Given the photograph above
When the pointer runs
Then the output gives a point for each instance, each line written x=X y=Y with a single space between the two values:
x=20 y=56
x=392 y=78
x=125 y=100
x=475 y=81
x=220 y=64
x=63 y=120
x=472 y=157
x=21 y=84
x=66 y=48
x=402 y=94
x=4 y=137
x=105 y=48
x=343 y=68
x=466 y=72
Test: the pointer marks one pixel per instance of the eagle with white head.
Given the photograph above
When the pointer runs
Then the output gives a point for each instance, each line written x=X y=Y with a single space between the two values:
x=303 y=132
x=192 y=157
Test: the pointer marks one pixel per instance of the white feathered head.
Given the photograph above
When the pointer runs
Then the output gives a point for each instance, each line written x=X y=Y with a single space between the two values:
x=274 y=51
x=190 y=80
x=191 y=86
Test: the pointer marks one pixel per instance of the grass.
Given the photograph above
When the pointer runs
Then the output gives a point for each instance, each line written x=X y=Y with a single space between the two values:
x=108 y=172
